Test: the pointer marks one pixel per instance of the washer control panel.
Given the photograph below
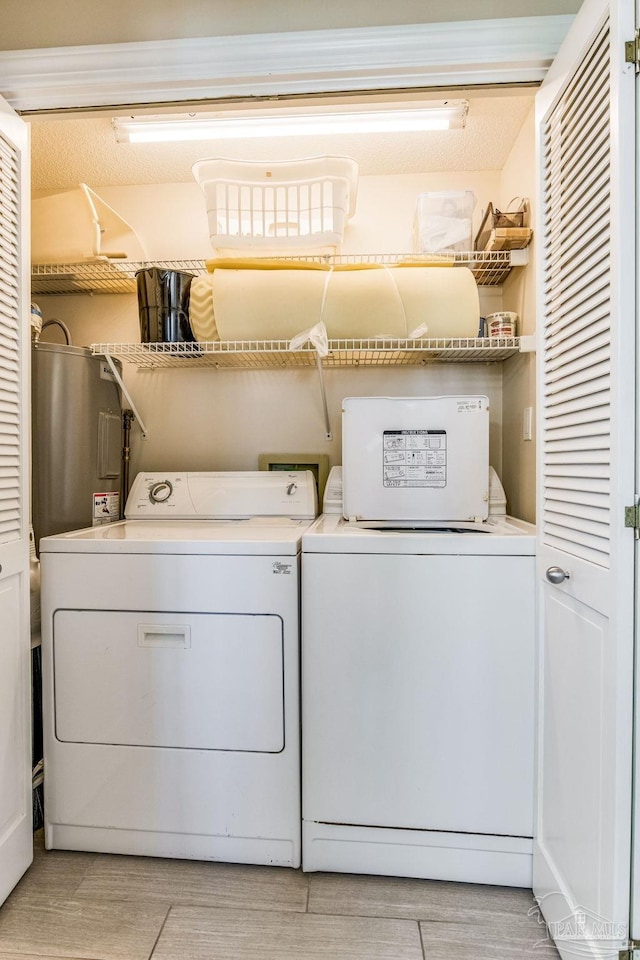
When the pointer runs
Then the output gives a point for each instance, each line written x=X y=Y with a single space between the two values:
x=232 y=495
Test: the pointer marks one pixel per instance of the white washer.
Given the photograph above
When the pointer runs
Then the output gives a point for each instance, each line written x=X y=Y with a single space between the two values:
x=418 y=700
x=171 y=665
x=418 y=654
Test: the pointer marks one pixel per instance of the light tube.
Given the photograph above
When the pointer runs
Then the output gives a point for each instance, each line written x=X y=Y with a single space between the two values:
x=183 y=127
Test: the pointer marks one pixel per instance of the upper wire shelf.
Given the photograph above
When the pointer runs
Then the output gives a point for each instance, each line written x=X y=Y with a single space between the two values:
x=275 y=354
x=490 y=268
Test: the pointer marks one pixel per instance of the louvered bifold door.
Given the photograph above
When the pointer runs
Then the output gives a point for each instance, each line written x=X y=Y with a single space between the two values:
x=586 y=301
x=15 y=650
x=10 y=373
x=577 y=293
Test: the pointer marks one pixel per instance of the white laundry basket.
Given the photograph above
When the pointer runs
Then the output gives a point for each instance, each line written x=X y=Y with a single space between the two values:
x=285 y=207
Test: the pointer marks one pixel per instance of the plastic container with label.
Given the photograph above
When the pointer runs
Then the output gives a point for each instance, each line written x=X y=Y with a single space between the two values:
x=443 y=221
x=502 y=324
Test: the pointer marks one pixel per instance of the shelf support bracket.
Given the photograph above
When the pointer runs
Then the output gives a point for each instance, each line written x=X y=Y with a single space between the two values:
x=323 y=396
x=120 y=382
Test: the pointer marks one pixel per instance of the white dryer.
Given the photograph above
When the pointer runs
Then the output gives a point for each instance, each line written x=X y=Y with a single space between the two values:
x=171 y=665
x=418 y=656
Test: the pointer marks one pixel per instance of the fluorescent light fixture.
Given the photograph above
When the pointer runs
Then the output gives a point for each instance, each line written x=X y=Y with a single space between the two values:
x=443 y=115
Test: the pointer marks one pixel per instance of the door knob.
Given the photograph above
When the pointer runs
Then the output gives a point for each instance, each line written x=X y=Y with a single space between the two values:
x=557 y=575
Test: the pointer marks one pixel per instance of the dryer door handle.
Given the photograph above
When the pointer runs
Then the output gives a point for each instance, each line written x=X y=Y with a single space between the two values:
x=164 y=635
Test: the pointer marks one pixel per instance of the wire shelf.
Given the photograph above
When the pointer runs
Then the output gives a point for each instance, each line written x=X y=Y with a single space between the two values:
x=490 y=268
x=275 y=354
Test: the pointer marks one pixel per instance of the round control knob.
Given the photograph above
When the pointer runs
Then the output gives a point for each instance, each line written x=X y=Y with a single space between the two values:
x=160 y=491
x=291 y=488
x=557 y=575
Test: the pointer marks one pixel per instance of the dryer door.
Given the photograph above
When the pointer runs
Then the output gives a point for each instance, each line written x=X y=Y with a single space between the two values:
x=199 y=681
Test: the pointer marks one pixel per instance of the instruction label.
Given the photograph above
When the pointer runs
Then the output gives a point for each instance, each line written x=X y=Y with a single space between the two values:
x=414 y=458
x=106 y=508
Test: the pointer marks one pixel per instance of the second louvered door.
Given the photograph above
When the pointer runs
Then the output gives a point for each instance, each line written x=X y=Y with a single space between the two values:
x=15 y=680
x=586 y=311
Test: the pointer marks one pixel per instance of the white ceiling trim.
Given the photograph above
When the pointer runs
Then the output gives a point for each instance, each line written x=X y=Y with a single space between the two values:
x=319 y=61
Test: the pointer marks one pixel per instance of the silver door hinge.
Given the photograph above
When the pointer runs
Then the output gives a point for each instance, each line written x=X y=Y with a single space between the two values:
x=632 y=51
x=632 y=518
x=631 y=952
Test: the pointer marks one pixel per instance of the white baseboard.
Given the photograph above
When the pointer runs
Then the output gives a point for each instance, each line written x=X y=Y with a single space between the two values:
x=182 y=846
x=429 y=855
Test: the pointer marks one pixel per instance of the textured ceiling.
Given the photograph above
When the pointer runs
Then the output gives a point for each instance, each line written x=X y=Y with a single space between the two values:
x=71 y=150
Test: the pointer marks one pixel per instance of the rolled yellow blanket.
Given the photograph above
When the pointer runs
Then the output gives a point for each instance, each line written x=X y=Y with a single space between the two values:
x=201 y=313
x=370 y=301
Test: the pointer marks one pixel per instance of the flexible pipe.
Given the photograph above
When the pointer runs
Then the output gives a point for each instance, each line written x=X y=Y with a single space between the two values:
x=57 y=323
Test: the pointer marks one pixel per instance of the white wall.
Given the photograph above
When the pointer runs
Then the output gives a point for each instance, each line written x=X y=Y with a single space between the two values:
x=519 y=383
x=517 y=179
x=217 y=419
x=171 y=218
x=41 y=23
x=223 y=419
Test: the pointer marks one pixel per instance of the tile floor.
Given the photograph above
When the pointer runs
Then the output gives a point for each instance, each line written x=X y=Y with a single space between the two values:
x=99 y=907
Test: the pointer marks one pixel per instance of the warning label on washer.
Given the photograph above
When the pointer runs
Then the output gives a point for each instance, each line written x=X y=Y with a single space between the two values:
x=106 y=508
x=414 y=458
